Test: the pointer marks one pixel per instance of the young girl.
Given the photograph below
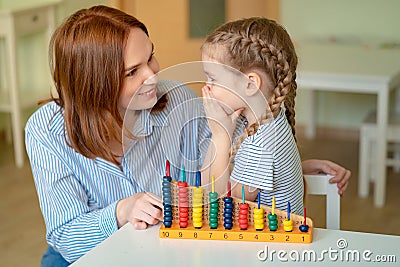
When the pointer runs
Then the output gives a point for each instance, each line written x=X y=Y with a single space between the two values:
x=87 y=182
x=265 y=156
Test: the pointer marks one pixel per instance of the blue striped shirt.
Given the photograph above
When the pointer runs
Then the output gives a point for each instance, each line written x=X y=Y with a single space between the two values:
x=78 y=195
x=269 y=160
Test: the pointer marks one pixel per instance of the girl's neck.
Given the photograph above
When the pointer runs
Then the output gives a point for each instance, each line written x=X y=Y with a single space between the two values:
x=256 y=110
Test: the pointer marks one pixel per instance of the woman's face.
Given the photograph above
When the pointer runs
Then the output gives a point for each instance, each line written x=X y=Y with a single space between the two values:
x=139 y=87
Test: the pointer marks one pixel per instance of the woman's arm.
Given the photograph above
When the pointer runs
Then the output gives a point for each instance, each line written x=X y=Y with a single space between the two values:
x=73 y=224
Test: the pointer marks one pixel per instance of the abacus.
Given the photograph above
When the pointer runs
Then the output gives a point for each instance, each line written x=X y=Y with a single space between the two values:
x=190 y=213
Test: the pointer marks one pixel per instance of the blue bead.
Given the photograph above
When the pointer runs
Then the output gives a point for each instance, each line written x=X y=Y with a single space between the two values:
x=228 y=200
x=228 y=226
x=166 y=185
x=229 y=205
x=228 y=220
x=167 y=224
x=227 y=214
x=167 y=218
x=167 y=213
x=228 y=210
x=167 y=207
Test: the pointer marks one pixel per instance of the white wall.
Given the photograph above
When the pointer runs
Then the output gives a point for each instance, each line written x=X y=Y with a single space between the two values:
x=362 y=20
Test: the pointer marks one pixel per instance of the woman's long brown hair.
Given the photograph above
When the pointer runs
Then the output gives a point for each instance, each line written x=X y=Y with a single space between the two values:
x=87 y=63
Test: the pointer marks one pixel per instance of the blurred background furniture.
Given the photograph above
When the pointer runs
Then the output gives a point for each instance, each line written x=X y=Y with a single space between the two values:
x=352 y=68
x=17 y=22
x=367 y=159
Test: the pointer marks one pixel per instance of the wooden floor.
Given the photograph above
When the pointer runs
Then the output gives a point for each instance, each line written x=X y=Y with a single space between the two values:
x=22 y=231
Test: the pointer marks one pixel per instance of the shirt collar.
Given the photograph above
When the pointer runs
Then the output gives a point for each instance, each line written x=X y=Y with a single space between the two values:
x=147 y=120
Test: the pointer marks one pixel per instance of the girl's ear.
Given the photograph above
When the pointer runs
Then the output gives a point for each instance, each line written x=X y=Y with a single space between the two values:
x=254 y=83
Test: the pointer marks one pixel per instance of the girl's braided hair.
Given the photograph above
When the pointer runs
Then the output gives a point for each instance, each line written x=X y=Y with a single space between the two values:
x=262 y=44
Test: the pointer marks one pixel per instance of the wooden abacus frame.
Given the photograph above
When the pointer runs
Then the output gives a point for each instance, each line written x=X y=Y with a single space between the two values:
x=235 y=234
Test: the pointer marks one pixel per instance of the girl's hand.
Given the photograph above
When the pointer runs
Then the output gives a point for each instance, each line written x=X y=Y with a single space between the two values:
x=341 y=175
x=140 y=210
x=219 y=121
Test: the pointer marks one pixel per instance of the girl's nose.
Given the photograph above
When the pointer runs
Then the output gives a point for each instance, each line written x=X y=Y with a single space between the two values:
x=152 y=79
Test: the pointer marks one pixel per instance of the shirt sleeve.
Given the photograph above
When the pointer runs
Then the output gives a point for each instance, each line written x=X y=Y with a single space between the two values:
x=72 y=227
x=254 y=166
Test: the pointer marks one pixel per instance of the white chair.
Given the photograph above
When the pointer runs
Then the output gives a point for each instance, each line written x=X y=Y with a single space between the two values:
x=368 y=138
x=319 y=185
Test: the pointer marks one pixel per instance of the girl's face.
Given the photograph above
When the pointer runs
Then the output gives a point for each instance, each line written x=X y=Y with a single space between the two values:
x=226 y=84
x=139 y=87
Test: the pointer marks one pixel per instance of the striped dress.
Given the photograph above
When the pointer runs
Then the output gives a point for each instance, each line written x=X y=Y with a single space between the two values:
x=269 y=160
x=78 y=195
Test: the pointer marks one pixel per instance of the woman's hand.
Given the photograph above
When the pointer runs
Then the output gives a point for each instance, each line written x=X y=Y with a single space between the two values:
x=341 y=175
x=140 y=210
x=220 y=122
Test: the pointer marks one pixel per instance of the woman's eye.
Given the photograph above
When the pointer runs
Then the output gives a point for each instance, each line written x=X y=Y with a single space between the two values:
x=210 y=80
x=131 y=73
x=151 y=56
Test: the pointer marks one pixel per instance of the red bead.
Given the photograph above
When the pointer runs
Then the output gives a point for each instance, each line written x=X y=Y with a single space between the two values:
x=183 y=224
x=243 y=221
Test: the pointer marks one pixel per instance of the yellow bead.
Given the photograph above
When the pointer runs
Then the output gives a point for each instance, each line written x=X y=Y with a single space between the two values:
x=259 y=226
x=287 y=225
x=197 y=219
x=197 y=210
x=258 y=211
x=197 y=224
x=258 y=216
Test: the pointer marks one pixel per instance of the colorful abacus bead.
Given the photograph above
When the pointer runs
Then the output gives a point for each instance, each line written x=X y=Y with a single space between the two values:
x=197 y=207
x=304 y=228
x=183 y=204
x=228 y=213
x=272 y=222
x=214 y=210
x=243 y=216
x=167 y=198
x=258 y=215
x=288 y=225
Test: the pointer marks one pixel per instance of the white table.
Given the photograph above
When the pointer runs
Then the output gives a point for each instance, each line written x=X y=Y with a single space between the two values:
x=130 y=247
x=16 y=22
x=354 y=69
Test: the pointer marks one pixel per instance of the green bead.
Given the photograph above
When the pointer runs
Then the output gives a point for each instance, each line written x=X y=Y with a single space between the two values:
x=213 y=225
x=214 y=210
x=213 y=195
x=273 y=222
x=271 y=217
x=213 y=220
x=273 y=227
x=214 y=205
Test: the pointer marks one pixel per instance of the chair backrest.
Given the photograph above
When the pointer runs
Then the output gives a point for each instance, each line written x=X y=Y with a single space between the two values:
x=319 y=185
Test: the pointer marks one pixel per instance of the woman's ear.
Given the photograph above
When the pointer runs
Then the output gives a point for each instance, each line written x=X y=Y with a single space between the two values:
x=254 y=83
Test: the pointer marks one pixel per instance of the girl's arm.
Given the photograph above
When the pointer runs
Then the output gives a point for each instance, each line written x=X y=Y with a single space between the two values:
x=250 y=192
